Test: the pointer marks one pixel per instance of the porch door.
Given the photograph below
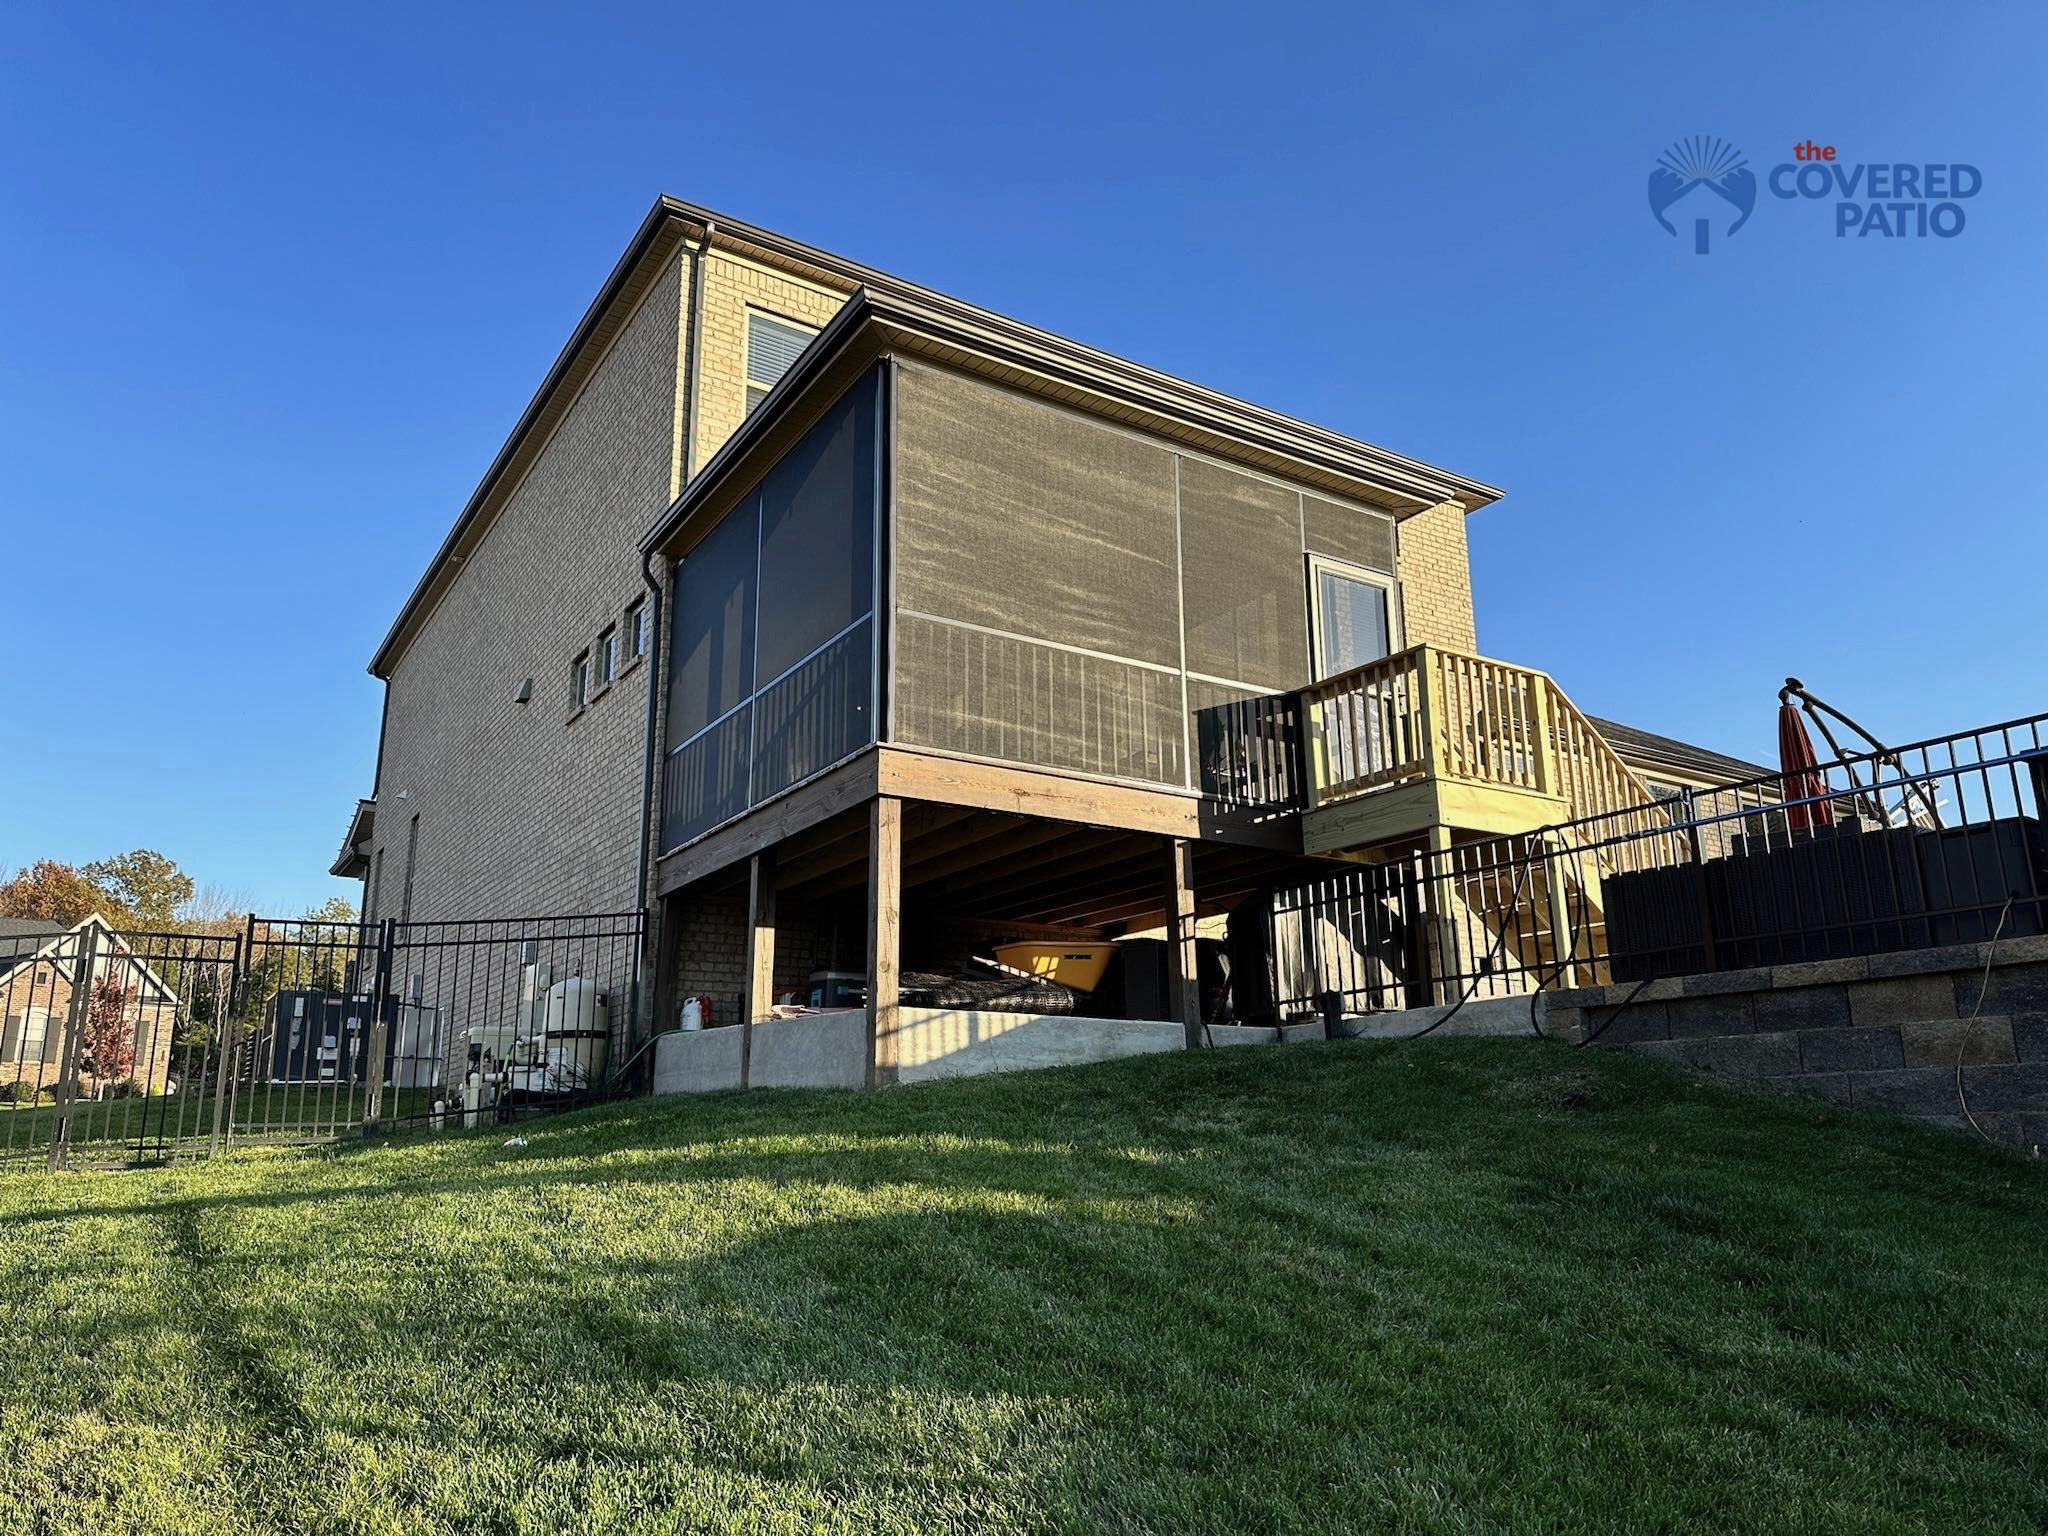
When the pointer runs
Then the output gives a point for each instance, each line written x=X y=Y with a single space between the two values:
x=1352 y=622
x=1353 y=615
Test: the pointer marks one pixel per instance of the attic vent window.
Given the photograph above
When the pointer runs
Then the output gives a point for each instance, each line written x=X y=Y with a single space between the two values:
x=772 y=346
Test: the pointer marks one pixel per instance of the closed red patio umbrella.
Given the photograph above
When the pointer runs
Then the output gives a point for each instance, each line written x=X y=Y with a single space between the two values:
x=1802 y=778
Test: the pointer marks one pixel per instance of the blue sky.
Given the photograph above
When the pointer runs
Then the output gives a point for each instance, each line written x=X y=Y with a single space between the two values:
x=276 y=280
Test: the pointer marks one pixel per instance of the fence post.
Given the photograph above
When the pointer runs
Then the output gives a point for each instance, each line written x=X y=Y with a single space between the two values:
x=74 y=1027
x=225 y=1045
x=1699 y=882
x=380 y=989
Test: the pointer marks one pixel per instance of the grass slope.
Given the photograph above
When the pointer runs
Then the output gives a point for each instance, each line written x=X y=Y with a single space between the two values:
x=1473 y=1286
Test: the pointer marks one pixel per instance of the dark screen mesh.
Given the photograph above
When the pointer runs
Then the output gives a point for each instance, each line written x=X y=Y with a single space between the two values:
x=1023 y=518
x=1243 y=577
x=705 y=781
x=819 y=713
x=1349 y=533
x=993 y=696
x=712 y=663
x=818 y=534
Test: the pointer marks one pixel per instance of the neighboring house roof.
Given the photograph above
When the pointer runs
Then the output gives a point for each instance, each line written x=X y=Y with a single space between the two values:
x=28 y=927
x=1681 y=757
x=28 y=951
x=671 y=221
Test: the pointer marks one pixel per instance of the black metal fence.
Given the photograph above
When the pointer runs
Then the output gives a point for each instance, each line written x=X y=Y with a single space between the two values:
x=1941 y=842
x=125 y=1048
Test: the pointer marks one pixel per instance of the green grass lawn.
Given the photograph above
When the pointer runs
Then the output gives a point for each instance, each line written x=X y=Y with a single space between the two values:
x=1469 y=1286
x=155 y=1127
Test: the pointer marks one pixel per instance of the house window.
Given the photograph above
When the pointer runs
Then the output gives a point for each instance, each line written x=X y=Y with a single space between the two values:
x=1353 y=610
x=636 y=630
x=607 y=659
x=579 y=680
x=772 y=345
x=30 y=1037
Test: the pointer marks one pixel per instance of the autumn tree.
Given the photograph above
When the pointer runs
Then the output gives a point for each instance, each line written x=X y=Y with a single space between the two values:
x=58 y=893
x=151 y=887
x=106 y=1045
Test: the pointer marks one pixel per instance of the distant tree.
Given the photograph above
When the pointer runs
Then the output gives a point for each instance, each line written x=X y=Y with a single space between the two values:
x=151 y=887
x=106 y=1047
x=58 y=893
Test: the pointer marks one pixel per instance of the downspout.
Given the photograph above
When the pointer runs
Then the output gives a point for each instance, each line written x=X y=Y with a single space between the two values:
x=654 y=636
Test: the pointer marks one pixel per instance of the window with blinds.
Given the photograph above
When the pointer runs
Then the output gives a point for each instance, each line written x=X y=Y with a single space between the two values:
x=772 y=346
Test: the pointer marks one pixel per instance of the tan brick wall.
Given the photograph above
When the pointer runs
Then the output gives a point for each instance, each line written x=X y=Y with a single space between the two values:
x=732 y=286
x=45 y=987
x=1436 y=579
x=531 y=809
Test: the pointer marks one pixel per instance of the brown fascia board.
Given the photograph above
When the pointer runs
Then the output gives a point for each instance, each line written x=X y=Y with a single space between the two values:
x=983 y=333
x=872 y=323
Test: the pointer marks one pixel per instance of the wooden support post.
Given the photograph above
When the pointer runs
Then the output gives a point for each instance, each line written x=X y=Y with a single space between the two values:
x=760 y=999
x=885 y=935
x=1183 y=973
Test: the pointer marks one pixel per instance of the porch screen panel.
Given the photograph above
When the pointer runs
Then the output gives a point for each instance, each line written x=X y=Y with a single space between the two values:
x=1349 y=533
x=1243 y=577
x=818 y=535
x=1021 y=701
x=1023 y=518
x=772 y=672
x=705 y=781
x=712 y=663
x=821 y=711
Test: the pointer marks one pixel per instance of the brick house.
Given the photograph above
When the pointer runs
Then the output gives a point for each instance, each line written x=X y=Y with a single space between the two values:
x=38 y=976
x=847 y=625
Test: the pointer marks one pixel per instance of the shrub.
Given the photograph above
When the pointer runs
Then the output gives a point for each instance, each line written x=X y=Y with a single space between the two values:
x=123 y=1088
x=20 y=1091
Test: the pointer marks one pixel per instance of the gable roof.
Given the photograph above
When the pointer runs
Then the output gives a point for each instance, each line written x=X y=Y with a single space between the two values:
x=26 y=950
x=671 y=221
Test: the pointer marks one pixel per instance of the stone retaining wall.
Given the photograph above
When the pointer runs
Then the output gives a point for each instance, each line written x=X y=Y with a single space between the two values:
x=1884 y=1031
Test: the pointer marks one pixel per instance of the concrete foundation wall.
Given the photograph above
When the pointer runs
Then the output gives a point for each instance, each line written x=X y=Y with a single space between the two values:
x=829 y=1050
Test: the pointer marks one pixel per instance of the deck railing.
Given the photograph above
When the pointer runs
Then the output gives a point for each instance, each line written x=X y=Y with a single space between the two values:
x=1435 y=713
x=1941 y=842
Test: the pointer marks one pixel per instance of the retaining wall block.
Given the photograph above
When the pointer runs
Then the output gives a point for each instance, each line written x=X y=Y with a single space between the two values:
x=1821 y=973
x=1713 y=1014
x=1868 y=1049
x=1638 y=1021
x=1927 y=1091
x=2030 y=1036
x=1802 y=1008
x=1935 y=1042
x=1927 y=962
x=2013 y=989
x=1679 y=1053
x=1775 y=1055
x=2020 y=1087
x=1713 y=983
x=1902 y=1000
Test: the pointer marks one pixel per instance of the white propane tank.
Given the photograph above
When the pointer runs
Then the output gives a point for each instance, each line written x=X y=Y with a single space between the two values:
x=578 y=1033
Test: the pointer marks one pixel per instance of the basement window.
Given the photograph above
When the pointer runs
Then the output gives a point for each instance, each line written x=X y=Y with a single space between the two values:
x=772 y=346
